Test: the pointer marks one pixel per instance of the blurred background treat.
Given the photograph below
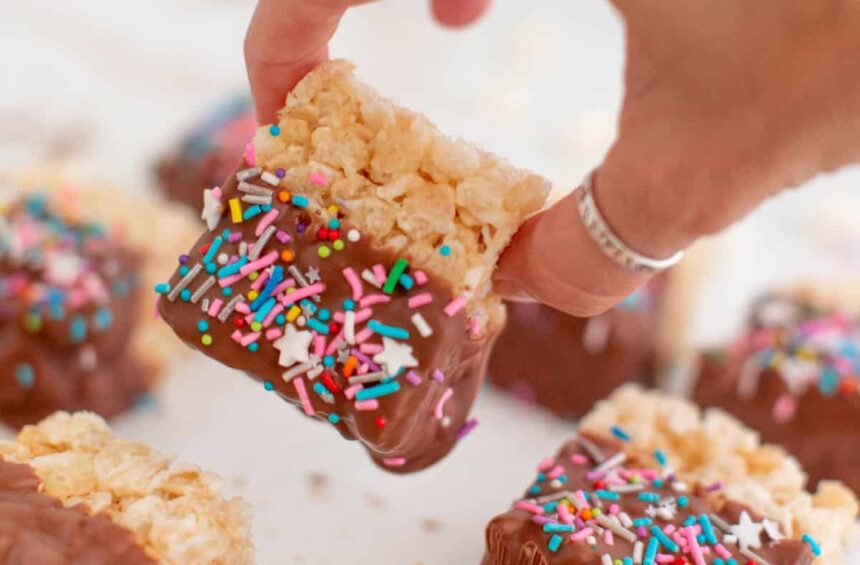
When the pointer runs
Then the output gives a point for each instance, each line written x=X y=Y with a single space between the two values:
x=208 y=152
x=109 y=88
x=794 y=375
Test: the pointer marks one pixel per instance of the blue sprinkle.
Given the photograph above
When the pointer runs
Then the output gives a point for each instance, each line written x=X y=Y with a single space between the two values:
x=813 y=545
x=252 y=211
x=121 y=288
x=628 y=561
x=349 y=304
x=232 y=268
x=731 y=561
x=660 y=457
x=378 y=391
x=550 y=528
x=183 y=270
x=57 y=312
x=213 y=249
x=226 y=291
x=550 y=507
x=664 y=540
x=280 y=319
x=25 y=375
x=719 y=561
x=103 y=318
x=274 y=130
x=253 y=347
x=318 y=326
x=388 y=331
x=268 y=386
x=333 y=418
x=78 y=329
x=620 y=434
x=607 y=495
x=651 y=551
x=307 y=304
x=562 y=479
x=300 y=201
x=162 y=288
x=264 y=311
x=445 y=250
x=324 y=315
x=225 y=234
x=683 y=501
x=639 y=522
x=649 y=497
x=203 y=325
x=657 y=483
x=146 y=401
x=707 y=529
x=334 y=224
x=828 y=382
x=700 y=539
x=185 y=295
x=535 y=489
x=211 y=268
x=328 y=361
x=406 y=281
x=266 y=207
x=554 y=543
x=541 y=476
x=689 y=521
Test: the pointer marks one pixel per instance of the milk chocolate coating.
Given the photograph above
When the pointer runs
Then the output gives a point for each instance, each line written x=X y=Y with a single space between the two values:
x=513 y=538
x=35 y=529
x=66 y=371
x=410 y=429
x=566 y=363
x=823 y=434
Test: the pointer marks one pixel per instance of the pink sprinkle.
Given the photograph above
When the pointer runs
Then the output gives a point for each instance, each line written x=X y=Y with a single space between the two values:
x=318 y=179
x=155 y=313
x=581 y=534
x=475 y=327
x=261 y=280
x=319 y=345
x=394 y=461
x=607 y=537
x=234 y=237
x=455 y=306
x=614 y=509
x=373 y=299
x=437 y=375
x=283 y=236
x=251 y=155
x=784 y=408
x=299 y=383
x=529 y=507
x=304 y=292
x=722 y=551
x=215 y=307
x=420 y=300
x=265 y=221
x=351 y=391
x=270 y=317
x=379 y=273
x=227 y=281
x=332 y=345
x=420 y=277
x=556 y=472
x=283 y=287
x=578 y=459
x=217 y=193
x=564 y=514
x=695 y=550
x=441 y=404
x=250 y=338
x=546 y=464
x=363 y=315
x=236 y=336
x=413 y=378
x=260 y=263
x=363 y=335
x=663 y=557
x=363 y=369
x=243 y=308
x=371 y=404
x=370 y=348
x=580 y=496
x=273 y=334
x=354 y=283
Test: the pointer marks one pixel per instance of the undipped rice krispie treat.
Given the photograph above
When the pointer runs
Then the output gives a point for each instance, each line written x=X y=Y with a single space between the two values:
x=71 y=494
x=208 y=152
x=74 y=330
x=794 y=375
x=348 y=266
x=650 y=479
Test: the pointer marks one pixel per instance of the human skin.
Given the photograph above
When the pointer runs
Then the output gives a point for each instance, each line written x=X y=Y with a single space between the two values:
x=727 y=103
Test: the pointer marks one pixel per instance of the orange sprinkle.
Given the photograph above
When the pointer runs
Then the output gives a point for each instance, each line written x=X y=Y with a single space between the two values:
x=349 y=366
x=287 y=255
x=284 y=196
x=848 y=385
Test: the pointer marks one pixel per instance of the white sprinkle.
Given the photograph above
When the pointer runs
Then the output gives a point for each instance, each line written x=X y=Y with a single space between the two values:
x=369 y=278
x=368 y=378
x=246 y=174
x=270 y=178
x=204 y=306
x=198 y=294
x=353 y=235
x=261 y=242
x=605 y=559
x=223 y=258
x=257 y=199
x=613 y=526
x=638 y=548
x=421 y=325
x=295 y=371
x=185 y=281
x=315 y=372
x=228 y=309
x=349 y=327
x=612 y=462
x=243 y=249
x=591 y=540
x=625 y=519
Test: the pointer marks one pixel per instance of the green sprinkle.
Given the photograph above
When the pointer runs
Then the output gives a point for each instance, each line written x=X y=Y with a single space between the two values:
x=394 y=275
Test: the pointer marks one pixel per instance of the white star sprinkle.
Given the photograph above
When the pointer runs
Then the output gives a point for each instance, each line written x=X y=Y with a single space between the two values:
x=212 y=209
x=771 y=528
x=313 y=275
x=747 y=532
x=293 y=346
x=395 y=356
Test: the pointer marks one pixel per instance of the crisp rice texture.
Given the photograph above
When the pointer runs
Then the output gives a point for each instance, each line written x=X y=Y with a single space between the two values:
x=399 y=178
x=710 y=446
x=151 y=226
x=176 y=510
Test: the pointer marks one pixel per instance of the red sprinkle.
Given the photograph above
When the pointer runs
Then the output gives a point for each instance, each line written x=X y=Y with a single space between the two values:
x=333 y=327
x=322 y=233
x=239 y=321
x=333 y=235
x=380 y=421
x=329 y=383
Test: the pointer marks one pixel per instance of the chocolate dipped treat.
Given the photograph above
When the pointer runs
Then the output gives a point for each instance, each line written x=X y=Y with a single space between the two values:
x=566 y=363
x=651 y=480
x=794 y=376
x=71 y=493
x=207 y=153
x=347 y=266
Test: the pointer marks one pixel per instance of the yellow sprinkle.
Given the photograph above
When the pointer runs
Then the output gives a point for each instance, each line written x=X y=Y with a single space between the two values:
x=252 y=295
x=333 y=209
x=206 y=339
x=293 y=313
x=338 y=245
x=253 y=276
x=236 y=210
x=256 y=326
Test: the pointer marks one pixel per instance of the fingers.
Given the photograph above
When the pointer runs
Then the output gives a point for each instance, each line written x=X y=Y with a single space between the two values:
x=553 y=259
x=458 y=13
x=287 y=38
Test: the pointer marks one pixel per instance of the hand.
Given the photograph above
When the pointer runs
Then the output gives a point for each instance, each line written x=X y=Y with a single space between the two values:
x=287 y=38
x=727 y=103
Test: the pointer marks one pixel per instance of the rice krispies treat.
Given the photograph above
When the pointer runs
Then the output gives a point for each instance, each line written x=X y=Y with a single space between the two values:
x=347 y=265
x=712 y=448
x=175 y=511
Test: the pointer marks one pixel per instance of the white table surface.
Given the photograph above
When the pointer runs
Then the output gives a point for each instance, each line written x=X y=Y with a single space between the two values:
x=112 y=83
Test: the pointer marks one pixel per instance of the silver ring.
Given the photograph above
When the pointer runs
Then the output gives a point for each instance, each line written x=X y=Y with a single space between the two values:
x=609 y=242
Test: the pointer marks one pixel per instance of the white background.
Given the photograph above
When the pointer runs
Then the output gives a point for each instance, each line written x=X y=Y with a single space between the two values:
x=111 y=84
